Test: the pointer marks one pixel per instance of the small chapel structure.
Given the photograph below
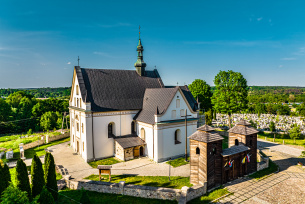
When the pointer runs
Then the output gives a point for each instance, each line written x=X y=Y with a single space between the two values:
x=212 y=164
x=129 y=114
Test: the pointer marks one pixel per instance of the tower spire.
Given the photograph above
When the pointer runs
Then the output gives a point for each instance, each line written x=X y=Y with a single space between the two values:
x=140 y=64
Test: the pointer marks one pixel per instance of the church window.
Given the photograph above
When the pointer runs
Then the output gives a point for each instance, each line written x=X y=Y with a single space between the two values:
x=110 y=130
x=236 y=142
x=80 y=103
x=73 y=138
x=82 y=127
x=173 y=114
x=77 y=103
x=77 y=90
x=177 y=136
x=133 y=129
x=143 y=134
x=197 y=150
x=177 y=103
x=182 y=112
x=77 y=127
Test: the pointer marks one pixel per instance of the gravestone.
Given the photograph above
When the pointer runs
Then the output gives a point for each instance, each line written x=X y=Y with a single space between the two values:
x=9 y=155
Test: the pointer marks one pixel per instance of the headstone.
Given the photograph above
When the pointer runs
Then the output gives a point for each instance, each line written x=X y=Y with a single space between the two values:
x=9 y=155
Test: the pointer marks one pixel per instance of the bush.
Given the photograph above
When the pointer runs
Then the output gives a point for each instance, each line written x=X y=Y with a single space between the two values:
x=272 y=126
x=13 y=195
x=50 y=175
x=295 y=132
x=37 y=176
x=45 y=197
x=30 y=132
x=6 y=176
x=22 y=178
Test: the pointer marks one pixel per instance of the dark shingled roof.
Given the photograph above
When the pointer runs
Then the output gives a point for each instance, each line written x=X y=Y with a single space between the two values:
x=205 y=137
x=243 y=130
x=111 y=90
x=234 y=150
x=159 y=98
x=129 y=141
x=206 y=128
x=243 y=122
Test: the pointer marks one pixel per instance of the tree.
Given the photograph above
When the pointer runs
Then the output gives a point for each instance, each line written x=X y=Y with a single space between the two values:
x=231 y=93
x=5 y=110
x=272 y=126
x=295 y=132
x=199 y=88
x=301 y=109
x=6 y=176
x=13 y=195
x=22 y=178
x=45 y=197
x=208 y=117
x=48 y=120
x=50 y=175
x=84 y=197
x=37 y=176
x=253 y=124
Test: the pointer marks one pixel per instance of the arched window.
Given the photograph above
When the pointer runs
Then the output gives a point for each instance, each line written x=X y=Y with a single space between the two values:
x=177 y=103
x=77 y=90
x=73 y=138
x=77 y=127
x=143 y=134
x=133 y=128
x=82 y=127
x=236 y=142
x=77 y=103
x=197 y=150
x=177 y=136
x=110 y=130
x=80 y=102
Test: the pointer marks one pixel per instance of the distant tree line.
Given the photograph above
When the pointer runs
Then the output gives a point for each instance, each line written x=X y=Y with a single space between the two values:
x=21 y=112
x=60 y=92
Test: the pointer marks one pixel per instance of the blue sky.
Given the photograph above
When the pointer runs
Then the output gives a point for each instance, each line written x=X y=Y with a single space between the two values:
x=185 y=40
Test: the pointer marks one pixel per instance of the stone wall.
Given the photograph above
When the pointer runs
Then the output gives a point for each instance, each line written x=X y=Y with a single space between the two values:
x=263 y=162
x=33 y=144
x=182 y=195
x=57 y=137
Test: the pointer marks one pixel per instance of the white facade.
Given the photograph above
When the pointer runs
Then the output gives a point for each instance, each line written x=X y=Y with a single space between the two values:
x=89 y=131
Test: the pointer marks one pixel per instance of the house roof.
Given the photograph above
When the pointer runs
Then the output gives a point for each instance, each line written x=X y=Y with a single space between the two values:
x=112 y=90
x=206 y=128
x=234 y=150
x=205 y=136
x=243 y=130
x=157 y=100
x=131 y=140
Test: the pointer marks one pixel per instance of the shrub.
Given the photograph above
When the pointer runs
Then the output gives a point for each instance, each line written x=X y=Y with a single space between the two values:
x=45 y=197
x=295 y=132
x=13 y=195
x=37 y=176
x=30 y=132
x=272 y=126
x=22 y=178
x=6 y=176
x=50 y=175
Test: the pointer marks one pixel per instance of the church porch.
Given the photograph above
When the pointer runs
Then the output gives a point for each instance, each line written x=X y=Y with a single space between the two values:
x=129 y=147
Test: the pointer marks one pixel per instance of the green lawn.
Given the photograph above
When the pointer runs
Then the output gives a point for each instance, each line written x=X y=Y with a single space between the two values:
x=66 y=196
x=207 y=198
x=260 y=174
x=178 y=162
x=279 y=139
x=157 y=181
x=108 y=161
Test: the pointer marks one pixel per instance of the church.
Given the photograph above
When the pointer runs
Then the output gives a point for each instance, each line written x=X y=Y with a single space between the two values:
x=129 y=113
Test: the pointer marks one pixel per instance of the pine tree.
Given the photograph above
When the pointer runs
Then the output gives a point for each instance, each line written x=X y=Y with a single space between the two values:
x=37 y=176
x=2 y=180
x=22 y=178
x=50 y=175
x=6 y=176
x=84 y=199
x=45 y=197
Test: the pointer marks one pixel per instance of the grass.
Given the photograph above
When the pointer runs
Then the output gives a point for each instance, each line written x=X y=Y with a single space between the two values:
x=157 y=181
x=178 y=162
x=207 y=198
x=279 y=139
x=108 y=161
x=96 y=197
x=264 y=172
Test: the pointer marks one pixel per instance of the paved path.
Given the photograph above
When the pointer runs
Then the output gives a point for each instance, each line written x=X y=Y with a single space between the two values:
x=286 y=186
x=72 y=164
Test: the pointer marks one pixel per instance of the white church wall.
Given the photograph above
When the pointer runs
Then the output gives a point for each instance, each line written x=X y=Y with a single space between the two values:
x=173 y=106
x=148 y=137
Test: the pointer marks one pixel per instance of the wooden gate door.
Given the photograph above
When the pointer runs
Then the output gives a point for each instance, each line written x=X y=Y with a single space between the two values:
x=211 y=171
x=136 y=152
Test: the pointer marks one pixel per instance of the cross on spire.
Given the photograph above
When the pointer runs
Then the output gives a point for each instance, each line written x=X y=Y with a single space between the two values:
x=78 y=61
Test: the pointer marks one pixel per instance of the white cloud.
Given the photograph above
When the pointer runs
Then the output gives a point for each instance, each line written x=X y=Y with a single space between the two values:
x=259 y=19
x=289 y=58
x=69 y=63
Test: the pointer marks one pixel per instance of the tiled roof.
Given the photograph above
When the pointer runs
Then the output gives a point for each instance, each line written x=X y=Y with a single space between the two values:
x=234 y=150
x=205 y=137
x=206 y=128
x=243 y=130
x=111 y=90
x=160 y=98
x=243 y=122
x=129 y=141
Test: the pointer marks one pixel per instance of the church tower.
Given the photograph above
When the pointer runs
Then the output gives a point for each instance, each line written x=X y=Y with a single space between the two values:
x=140 y=64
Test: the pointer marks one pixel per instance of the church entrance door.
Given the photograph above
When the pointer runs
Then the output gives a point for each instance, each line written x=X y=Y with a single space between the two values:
x=141 y=151
x=136 y=152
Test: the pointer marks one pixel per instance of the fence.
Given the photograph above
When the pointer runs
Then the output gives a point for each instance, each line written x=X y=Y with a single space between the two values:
x=182 y=195
x=45 y=140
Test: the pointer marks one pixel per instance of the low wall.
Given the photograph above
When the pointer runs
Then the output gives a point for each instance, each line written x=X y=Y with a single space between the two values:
x=263 y=162
x=33 y=144
x=182 y=195
x=57 y=137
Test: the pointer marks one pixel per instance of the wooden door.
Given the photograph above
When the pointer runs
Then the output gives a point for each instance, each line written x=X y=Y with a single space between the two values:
x=211 y=170
x=136 y=152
